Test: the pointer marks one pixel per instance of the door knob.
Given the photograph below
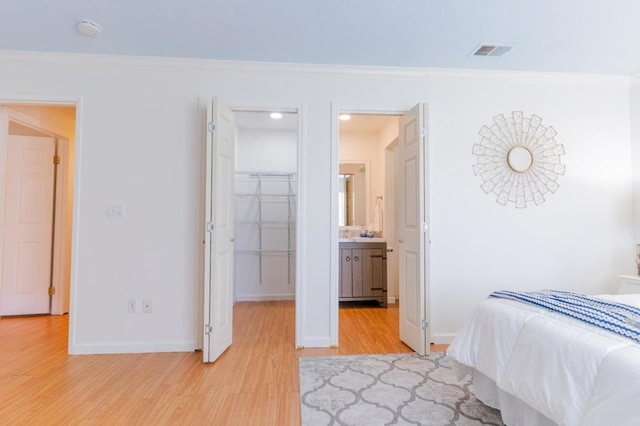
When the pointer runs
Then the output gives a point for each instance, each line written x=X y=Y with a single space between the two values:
x=232 y=239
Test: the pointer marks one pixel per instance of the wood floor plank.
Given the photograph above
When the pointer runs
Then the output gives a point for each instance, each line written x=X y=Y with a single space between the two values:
x=255 y=382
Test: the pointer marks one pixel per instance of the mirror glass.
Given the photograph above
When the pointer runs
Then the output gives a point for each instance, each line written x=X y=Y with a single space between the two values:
x=352 y=194
x=520 y=159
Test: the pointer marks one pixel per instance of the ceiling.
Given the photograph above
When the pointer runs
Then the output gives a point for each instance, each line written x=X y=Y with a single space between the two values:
x=585 y=36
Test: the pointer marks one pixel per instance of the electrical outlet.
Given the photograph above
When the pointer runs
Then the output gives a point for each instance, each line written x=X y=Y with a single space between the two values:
x=115 y=211
x=146 y=306
x=131 y=306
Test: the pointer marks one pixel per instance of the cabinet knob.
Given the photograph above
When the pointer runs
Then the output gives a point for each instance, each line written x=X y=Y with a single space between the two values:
x=401 y=241
x=389 y=249
x=348 y=258
x=356 y=258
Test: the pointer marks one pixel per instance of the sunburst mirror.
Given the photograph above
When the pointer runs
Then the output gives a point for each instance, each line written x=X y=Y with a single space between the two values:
x=518 y=159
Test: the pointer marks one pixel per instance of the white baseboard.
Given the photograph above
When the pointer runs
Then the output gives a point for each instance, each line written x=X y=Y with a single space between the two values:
x=315 y=342
x=130 y=348
x=443 y=338
x=265 y=297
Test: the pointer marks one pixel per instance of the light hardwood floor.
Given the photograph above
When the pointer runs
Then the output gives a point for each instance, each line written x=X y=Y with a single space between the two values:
x=255 y=382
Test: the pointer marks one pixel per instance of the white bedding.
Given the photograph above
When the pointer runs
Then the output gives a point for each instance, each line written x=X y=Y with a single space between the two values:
x=569 y=371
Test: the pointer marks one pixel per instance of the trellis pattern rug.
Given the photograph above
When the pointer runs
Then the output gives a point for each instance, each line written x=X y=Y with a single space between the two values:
x=395 y=389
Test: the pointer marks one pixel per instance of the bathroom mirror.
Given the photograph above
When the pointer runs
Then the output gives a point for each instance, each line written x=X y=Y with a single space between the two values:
x=353 y=194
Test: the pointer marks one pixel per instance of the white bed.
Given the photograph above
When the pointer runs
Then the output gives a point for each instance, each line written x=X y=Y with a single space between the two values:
x=543 y=368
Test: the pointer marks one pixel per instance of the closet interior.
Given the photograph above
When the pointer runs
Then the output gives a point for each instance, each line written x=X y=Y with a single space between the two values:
x=266 y=187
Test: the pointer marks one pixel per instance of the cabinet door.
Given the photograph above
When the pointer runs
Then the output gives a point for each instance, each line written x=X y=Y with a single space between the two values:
x=377 y=266
x=346 y=267
x=357 y=274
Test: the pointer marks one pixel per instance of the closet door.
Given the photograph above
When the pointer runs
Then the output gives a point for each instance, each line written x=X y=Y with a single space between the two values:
x=218 y=239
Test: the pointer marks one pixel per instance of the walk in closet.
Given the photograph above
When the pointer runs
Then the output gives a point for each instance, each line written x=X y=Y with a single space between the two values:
x=265 y=207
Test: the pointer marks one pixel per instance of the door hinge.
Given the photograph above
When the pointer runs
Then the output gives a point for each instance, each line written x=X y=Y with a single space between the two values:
x=425 y=226
x=208 y=329
x=211 y=127
x=423 y=132
x=52 y=291
x=210 y=226
x=56 y=159
x=425 y=324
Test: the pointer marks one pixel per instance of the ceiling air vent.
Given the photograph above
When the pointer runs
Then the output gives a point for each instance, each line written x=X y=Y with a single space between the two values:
x=491 y=50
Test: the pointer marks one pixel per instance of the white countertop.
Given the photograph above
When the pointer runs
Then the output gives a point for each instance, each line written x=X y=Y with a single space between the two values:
x=363 y=240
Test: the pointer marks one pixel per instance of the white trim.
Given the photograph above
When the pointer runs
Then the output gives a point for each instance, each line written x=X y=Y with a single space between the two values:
x=300 y=110
x=336 y=110
x=443 y=338
x=198 y=64
x=265 y=297
x=54 y=100
x=301 y=293
x=635 y=80
x=565 y=79
x=131 y=348
x=61 y=261
x=4 y=132
x=315 y=342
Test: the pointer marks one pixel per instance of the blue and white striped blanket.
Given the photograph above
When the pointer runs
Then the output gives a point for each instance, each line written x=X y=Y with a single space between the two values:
x=616 y=317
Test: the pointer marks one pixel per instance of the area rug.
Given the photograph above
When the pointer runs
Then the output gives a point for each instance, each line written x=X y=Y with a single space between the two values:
x=395 y=389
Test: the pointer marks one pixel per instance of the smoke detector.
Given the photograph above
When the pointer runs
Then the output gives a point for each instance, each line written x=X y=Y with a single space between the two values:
x=491 y=50
x=89 y=28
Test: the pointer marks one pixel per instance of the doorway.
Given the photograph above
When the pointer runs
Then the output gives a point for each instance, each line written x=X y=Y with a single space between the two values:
x=252 y=214
x=367 y=147
x=36 y=187
x=398 y=186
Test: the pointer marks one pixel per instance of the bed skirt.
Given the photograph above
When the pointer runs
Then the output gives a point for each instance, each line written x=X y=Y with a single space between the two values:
x=514 y=411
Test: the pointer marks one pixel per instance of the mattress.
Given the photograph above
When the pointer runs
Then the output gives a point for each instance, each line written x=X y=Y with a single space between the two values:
x=570 y=372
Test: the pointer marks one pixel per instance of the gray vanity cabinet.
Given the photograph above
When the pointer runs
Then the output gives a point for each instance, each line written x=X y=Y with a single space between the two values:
x=363 y=272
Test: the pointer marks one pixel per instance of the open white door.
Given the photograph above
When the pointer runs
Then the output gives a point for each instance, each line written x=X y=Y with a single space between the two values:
x=412 y=232
x=28 y=226
x=218 y=274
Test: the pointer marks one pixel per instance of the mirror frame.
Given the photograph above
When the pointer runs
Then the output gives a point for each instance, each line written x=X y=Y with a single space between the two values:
x=367 y=198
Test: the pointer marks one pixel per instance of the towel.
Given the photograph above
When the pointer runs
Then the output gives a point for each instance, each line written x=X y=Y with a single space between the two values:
x=377 y=216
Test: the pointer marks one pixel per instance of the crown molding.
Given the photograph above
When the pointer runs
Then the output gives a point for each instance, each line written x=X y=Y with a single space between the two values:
x=531 y=77
x=164 y=64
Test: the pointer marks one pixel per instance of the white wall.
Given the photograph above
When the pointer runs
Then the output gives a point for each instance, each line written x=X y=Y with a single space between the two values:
x=635 y=151
x=579 y=239
x=142 y=145
x=266 y=150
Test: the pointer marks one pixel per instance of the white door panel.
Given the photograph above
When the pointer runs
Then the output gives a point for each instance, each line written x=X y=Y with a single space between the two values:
x=28 y=225
x=411 y=233
x=218 y=285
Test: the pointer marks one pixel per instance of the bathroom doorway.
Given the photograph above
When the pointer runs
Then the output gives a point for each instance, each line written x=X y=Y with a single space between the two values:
x=396 y=216
x=368 y=261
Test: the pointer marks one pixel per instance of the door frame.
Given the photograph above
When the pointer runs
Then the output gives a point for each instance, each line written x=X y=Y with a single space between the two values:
x=65 y=149
x=334 y=267
x=244 y=105
x=60 y=262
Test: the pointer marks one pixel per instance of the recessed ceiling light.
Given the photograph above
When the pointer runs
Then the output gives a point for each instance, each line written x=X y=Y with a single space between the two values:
x=89 y=28
x=344 y=117
x=276 y=115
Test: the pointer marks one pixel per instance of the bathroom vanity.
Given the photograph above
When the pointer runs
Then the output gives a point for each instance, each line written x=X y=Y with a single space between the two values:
x=363 y=270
